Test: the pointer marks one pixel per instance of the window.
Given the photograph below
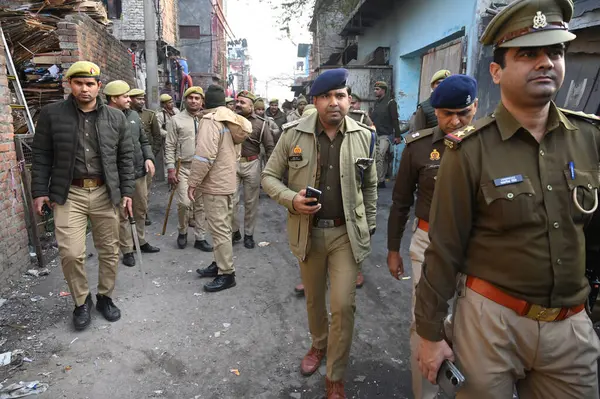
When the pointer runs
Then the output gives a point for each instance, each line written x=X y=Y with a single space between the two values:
x=189 y=31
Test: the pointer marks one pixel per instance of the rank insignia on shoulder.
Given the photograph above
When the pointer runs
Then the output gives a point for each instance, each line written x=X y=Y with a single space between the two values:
x=453 y=140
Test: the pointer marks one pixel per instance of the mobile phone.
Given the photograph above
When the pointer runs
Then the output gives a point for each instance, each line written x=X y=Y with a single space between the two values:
x=313 y=193
x=449 y=378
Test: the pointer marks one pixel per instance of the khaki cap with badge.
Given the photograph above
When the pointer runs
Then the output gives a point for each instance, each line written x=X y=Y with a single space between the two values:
x=274 y=101
x=530 y=23
x=259 y=103
x=381 y=84
x=83 y=69
x=116 y=88
x=439 y=75
x=194 y=89
x=165 y=98
x=247 y=94
x=136 y=92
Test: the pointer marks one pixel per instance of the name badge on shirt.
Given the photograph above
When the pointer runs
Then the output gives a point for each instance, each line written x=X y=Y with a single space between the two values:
x=295 y=158
x=503 y=181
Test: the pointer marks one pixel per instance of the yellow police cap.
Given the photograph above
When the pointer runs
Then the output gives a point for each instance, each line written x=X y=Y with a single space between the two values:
x=441 y=74
x=136 y=92
x=530 y=23
x=83 y=69
x=229 y=100
x=116 y=88
x=247 y=94
x=259 y=103
x=301 y=99
x=194 y=89
x=274 y=101
x=165 y=98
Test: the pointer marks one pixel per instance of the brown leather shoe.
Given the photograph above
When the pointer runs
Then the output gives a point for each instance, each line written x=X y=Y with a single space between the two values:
x=299 y=289
x=360 y=280
x=335 y=389
x=312 y=361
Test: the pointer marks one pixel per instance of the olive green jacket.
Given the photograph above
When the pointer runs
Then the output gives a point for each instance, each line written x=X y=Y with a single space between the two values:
x=296 y=150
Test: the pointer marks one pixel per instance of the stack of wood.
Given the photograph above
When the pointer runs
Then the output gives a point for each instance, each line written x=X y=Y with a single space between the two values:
x=95 y=9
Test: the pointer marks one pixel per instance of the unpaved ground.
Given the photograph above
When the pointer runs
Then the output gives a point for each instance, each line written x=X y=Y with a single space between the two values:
x=175 y=341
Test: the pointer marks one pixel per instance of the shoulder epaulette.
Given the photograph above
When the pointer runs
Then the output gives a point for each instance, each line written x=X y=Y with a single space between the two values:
x=288 y=125
x=454 y=140
x=589 y=117
x=149 y=111
x=409 y=138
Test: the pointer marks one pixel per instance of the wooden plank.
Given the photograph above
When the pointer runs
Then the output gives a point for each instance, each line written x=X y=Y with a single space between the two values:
x=446 y=56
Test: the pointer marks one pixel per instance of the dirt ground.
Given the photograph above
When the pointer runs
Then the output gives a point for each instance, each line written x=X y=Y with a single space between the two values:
x=176 y=341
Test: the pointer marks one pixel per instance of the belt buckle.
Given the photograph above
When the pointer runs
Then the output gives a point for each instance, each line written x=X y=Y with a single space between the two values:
x=540 y=313
x=89 y=183
x=325 y=223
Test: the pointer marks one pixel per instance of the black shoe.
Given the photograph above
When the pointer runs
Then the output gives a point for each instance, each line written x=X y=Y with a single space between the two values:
x=108 y=309
x=148 y=222
x=220 y=283
x=182 y=240
x=381 y=185
x=236 y=236
x=149 y=249
x=202 y=245
x=81 y=314
x=211 y=271
x=129 y=259
x=248 y=241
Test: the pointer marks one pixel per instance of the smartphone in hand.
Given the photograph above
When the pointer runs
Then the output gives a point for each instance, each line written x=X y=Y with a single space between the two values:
x=449 y=378
x=313 y=193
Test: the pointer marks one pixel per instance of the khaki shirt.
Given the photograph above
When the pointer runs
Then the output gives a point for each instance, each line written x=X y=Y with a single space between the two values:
x=88 y=162
x=152 y=129
x=418 y=170
x=165 y=121
x=261 y=134
x=181 y=139
x=361 y=116
x=503 y=211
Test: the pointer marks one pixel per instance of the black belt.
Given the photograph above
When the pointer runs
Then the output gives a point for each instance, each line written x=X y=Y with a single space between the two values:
x=328 y=223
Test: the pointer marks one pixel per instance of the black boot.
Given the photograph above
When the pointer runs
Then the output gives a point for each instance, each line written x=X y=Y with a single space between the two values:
x=149 y=249
x=203 y=245
x=220 y=283
x=81 y=314
x=248 y=241
x=129 y=259
x=211 y=271
x=182 y=240
x=108 y=309
x=148 y=222
x=236 y=236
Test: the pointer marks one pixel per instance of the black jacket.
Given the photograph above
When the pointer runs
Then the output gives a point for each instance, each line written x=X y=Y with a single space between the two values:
x=142 y=150
x=55 y=144
x=385 y=117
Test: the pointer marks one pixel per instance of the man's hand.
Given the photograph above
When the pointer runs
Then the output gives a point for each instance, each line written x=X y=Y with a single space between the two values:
x=300 y=204
x=397 y=140
x=38 y=204
x=395 y=264
x=150 y=167
x=127 y=204
x=172 y=176
x=430 y=357
x=192 y=193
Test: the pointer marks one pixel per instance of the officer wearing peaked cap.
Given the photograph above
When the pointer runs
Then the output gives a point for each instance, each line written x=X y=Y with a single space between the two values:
x=455 y=105
x=334 y=154
x=512 y=198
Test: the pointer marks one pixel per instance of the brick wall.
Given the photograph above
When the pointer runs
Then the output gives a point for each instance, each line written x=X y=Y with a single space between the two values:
x=14 y=251
x=83 y=39
x=130 y=28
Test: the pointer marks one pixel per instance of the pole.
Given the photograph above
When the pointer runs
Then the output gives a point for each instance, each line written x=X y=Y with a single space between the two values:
x=151 y=53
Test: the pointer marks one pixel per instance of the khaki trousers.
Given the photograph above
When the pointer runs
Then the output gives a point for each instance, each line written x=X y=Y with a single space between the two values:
x=495 y=349
x=422 y=388
x=140 y=207
x=382 y=157
x=331 y=255
x=187 y=210
x=218 y=215
x=70 y=221
x=248 y=178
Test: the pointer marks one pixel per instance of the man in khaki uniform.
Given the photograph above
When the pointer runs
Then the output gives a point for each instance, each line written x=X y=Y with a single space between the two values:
x=338 y=227
x=179 y=148
x=152 y=129
x=358 y=114
x=274 y=112
x=297 y=113
x=164 y=116
x=230 y=103
x=259 y=109
x=249 y=168
x=424 y=117
x=213 y=175
x=512 y=198
x=117 y=96
x=455 y=103
x=83 y=169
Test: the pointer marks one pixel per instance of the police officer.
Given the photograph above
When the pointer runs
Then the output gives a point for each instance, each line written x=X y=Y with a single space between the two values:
x=424 y=117
x=385 y=117
x=164 y=117
x=230 y=103
x=179 y=148
x=274 y=112
x=213 y=175
x=259 y=109
x=83 y=169
x=356 y=113
x=455 y=104
x=329 y=151
x=297 y=114
x=249 y=167
x=117 y=96
x=513 y=195
x=151 y=127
